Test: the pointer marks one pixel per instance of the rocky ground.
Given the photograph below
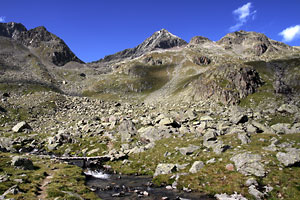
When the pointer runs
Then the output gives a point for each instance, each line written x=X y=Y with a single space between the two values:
x=201 y=146
x=220 y=118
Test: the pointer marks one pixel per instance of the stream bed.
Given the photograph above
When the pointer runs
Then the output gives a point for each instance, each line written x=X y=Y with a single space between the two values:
x=128 y=187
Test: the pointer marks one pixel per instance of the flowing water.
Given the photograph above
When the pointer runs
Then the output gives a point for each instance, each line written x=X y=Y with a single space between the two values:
x=128 y=187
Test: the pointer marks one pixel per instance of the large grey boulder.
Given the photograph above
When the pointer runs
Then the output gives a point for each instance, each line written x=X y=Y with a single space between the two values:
x=249 y=164
x=19 y=127
x=238 y=115
x=219 y=147
x=149 y=133
x=255 y=193
x=165 y=169
x=290 y=158
x=196 y=167
x=6 y=144
x=281 y=128
x=244 y=138
x=22 y=163
x=188 y=150
x=262 y=128
x=209 y=138
x=127 y=130
x=291 y=109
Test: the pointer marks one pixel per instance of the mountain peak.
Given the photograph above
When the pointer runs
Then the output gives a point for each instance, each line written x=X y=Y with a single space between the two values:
x=10 y=29
x=161 y=39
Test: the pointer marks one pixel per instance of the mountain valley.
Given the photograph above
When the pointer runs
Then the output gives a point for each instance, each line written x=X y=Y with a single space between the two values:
x=217 y=118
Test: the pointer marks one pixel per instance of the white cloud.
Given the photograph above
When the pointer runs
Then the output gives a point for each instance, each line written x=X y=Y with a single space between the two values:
x=291 y=33
x=243 y=14
x=2 y=19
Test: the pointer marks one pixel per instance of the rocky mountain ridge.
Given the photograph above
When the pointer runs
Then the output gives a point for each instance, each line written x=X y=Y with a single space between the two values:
x=45 y=44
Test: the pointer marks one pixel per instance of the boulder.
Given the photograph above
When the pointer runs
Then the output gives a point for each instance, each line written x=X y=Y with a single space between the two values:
x=262 y=128
x=281 y=128
x=22 y=163
x=206 y=118
x=249 y=164
x=197 y=165
x=244 y=138
x=127 y=130
x=291 y=109
x=21 y=126
x=290 y=158
x=188 y=150
x=219 y=147
x=209 y=137
x=6 y=144
x=165 y=169
x=255 y=193
x=238 y=116
x=251 y=181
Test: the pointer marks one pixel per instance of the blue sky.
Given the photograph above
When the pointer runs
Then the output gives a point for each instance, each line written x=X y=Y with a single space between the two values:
x=95 y=28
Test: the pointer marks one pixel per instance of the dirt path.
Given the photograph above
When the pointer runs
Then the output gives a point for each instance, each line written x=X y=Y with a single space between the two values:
x=46 y=181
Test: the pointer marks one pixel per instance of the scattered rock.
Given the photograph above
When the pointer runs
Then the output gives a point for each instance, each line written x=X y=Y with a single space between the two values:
x=234 y=196
x=290 y=158
x=238 y=115
x=211 y=161
x=291 y=109
x=21 y=126
x=196 y=167
x=230 y=167
x=244 y=138
x=22 y=163
x=251 y=181
x=256 y=193
x=12 y=190
x=262 y=128
x=165 y=169
x=188 y=150
x=249 y=164
x=127 y=130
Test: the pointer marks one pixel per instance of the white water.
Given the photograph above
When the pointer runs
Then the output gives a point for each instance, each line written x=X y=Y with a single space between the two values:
x=97 y=174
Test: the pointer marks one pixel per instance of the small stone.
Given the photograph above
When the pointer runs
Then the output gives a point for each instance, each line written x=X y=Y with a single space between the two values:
x=230 y=167
x=211 y=161
x=169 y=187
x=251 y=181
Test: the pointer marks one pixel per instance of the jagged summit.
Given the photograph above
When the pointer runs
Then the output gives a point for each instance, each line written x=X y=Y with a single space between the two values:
x=161 y=39
x=46 y=45
x=10 y=29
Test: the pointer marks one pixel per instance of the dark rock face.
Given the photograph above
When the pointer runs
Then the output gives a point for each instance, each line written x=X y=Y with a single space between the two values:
x=11 y=29
x=246 y=80
x=162 y=39
x=48 y=46
x=231 y=85
x=51 y=47
x=202 y=60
